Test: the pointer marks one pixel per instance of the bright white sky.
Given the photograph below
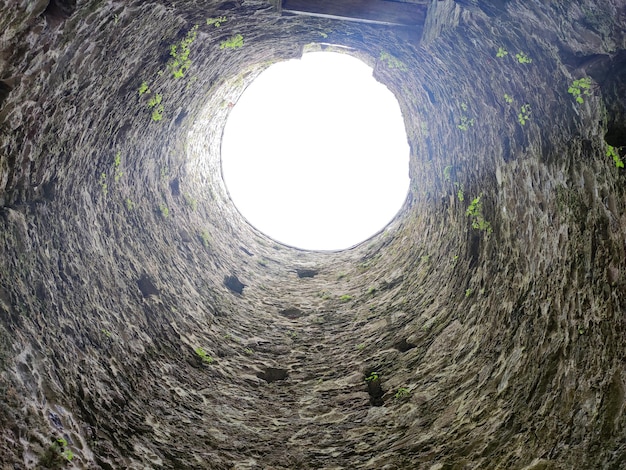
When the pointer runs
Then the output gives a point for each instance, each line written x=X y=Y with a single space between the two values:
x=315 y=154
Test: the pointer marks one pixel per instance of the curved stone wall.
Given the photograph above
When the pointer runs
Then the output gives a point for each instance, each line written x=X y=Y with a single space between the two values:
x=146 y=325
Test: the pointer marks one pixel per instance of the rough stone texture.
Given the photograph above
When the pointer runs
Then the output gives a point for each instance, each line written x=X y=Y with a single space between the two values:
x=510 y=344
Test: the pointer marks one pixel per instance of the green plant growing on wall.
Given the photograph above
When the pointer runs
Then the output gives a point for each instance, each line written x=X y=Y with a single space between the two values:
x=392 y=62
x=508 y=98
x=522 y=58
x=66 y=452
x=402 y=392
x=143 y=88
x=468 y=293
x=465 y=123
x=459 y=193
x=129 y=204
x=580 y=88
x=57 y=455
x=164 y=210
x=524 y=114
x=217 y=22
x=202 y=354
x=614 y=154
x=345 y=298
x=234 y=42
x=155 y=104
x=155 y=100
x=475 y=211
x=361 y=346
x=157 y=113
x=447 y=171
x=372 y=377
x=179 y=61
x=116 y=165
x=502 y=52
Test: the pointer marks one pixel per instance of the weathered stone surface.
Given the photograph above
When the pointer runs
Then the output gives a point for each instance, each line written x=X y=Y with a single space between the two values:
x=508 y=344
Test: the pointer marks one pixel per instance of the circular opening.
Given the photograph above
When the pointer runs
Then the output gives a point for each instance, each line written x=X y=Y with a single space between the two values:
x=315 y=153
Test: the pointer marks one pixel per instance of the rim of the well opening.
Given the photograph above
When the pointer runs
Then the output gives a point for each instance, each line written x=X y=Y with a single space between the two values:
x=272 y=131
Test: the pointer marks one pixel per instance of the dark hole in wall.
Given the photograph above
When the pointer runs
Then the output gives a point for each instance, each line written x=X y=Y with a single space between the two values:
x=60 y=9
x=473 y=249
x=175 y=187
x=4 y=91
x=292 y=313
x=616 y=137
x=146 y=286
x=234 y=284
x=55 y=420
x=273 y=374
x=248 y=252
x=596 y=65
x=375 y=389
x=49 y=189
x=610 y=74
x=180 y=118
x=615 y=101
x=306 y=273
x=40 y=291
x=403 y=345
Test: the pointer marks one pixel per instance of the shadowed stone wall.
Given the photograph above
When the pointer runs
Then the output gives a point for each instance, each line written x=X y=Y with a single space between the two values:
x=145 y=324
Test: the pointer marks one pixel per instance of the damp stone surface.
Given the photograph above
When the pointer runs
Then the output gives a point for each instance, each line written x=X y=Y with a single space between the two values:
x=145 y=325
